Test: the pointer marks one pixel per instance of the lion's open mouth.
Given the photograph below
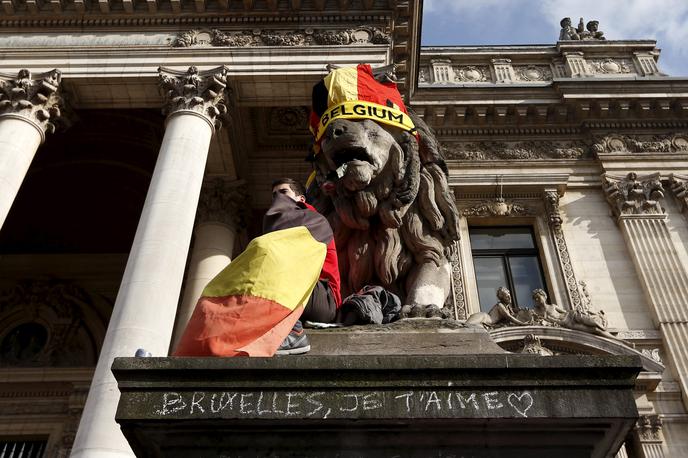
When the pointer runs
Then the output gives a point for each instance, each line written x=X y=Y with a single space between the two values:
x=343 y=156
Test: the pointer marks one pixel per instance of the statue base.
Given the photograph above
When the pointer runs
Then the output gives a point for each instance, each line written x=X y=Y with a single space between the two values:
x=411 y=336
x=374 y=405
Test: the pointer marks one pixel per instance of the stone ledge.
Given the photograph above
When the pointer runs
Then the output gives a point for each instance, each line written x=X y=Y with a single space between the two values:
x=356 y=405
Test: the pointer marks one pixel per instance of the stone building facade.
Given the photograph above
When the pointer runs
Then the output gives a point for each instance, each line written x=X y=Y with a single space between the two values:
x=115 y=214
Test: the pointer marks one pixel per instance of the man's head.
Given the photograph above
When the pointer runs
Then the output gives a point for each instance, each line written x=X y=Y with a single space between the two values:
x=539 y=296
x=566 y=22
x=290 y=188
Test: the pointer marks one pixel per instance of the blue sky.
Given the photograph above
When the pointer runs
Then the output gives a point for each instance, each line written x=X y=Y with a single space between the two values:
x=475 y=22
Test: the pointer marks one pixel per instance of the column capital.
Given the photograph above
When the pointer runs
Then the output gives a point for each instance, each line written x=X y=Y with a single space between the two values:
x=205 y=93
x=35 y=98
x=679 y=186
x=634 y=195
x=225 y=201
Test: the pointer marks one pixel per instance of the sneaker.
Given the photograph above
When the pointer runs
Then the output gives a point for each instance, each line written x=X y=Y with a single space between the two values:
x=296 y=342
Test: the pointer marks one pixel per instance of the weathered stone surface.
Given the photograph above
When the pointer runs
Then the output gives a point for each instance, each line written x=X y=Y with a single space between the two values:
x=418 y=405
x=413 y=336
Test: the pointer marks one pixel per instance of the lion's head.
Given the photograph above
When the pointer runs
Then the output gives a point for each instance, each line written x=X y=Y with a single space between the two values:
x=387 y=197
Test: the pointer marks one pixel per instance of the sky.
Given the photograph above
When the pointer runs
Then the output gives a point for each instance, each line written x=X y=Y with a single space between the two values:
x=497 y=22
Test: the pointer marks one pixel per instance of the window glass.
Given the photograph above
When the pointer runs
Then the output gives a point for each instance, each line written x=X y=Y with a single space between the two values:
x=525 y=277
x=489 y=271
x=501 y=238
x=505 y=256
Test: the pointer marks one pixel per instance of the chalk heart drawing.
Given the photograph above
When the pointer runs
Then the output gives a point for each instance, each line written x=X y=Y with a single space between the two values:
x=521 y=402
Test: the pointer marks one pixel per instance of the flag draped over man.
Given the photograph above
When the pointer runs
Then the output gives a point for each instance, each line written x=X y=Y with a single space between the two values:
x=250 y=307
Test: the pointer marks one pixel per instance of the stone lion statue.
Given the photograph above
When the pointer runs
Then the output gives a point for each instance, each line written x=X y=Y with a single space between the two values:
x=393 y=214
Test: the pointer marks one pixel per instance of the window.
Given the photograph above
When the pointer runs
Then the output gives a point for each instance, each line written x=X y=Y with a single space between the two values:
x=22 y=448
x=505 y=256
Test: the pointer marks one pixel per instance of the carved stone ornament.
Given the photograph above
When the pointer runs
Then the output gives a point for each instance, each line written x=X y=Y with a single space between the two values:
x=458 y=296
x=533 y=73
x=611 y=66
x=224 y=201
x=634 y=195
x=649 y=428
x=291 y=119
x=43 y=324
x=493 y=151
x=673 y=143
x=498 y=207
x=533 y=346
x=35 y=97
x=554 y=219
x=471 y=74
x=203 y=92
x=583 y=31
x=679 y=187
x=652 y=353
x=304 y=37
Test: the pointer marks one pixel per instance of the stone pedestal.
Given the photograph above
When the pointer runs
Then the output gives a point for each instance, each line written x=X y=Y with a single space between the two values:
x=377 y=406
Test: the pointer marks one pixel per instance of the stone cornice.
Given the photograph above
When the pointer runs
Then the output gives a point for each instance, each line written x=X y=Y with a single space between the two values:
x=33 y=97
x=199 y=8
x=679 y=187
x=205 y=93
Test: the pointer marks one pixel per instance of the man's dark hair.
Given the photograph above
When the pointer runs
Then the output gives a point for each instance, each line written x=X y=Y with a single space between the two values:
x=295 y=186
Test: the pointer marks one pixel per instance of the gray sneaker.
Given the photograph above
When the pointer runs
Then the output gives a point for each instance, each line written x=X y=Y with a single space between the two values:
x=296 y=342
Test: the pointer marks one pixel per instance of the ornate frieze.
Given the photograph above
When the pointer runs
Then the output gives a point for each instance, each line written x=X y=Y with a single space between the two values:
x=634 y=195
x=672 y=143
x=224 y=201
x=491 y=151
x=498 y=207
x=203 y=92
x=35 y=97
x=302 y=37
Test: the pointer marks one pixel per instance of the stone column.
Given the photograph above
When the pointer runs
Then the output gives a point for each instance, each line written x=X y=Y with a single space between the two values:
x=28 y=108
x=635 y=203
x=221 y=213
x=146 y=304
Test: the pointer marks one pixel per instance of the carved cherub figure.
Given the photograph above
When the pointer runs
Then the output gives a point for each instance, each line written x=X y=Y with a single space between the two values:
x=503 y=312
x=568 y=32
x=594 y=323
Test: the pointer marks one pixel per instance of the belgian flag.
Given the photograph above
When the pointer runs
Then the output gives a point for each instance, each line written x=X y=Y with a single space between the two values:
x=250 y=307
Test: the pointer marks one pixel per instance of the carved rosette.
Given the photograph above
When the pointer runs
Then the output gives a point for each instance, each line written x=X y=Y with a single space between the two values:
x=203 y=92
x=551 y=198
x=649 y=428
x=533 y=73
x=679 y=187
x=224 y=201
x=36 y=97
x=633 y=195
